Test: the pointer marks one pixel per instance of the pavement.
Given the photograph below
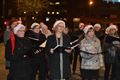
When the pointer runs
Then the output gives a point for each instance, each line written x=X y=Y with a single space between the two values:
x=4 y=72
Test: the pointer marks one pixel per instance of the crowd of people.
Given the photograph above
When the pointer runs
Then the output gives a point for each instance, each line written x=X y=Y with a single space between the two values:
x=50 y=53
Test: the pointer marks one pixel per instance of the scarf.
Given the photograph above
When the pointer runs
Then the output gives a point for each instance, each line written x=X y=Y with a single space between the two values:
x=12 y=42
x=60 y=42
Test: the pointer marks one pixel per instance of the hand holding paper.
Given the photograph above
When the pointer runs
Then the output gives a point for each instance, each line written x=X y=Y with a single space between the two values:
x=68 y=50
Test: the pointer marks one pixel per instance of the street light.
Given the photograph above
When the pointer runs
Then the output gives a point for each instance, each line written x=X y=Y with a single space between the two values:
x=91 y=2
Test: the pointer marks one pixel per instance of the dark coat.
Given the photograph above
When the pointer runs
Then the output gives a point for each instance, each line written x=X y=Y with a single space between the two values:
x=38 y=58
x=54 y=58
x=36 y=39
x=100 y=35
x=41 y=38
x=20 y=68
x=110 y=49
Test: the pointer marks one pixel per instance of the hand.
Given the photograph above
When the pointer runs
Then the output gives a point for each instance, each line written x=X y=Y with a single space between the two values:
x=68 y=50
x=52 y=51
x=25 y=56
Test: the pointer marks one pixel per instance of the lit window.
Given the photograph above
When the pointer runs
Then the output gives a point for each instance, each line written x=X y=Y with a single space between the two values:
x=57 y=12
x=57 y=3
x=53 y=12
x=76 y=19
x=48 y=12
x=24 y=12
x=33 y=17
x=36 y=12
x=51 y=3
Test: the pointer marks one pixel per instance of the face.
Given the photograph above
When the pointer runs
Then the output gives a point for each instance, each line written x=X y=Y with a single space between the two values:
x=21 y=32
x=36 y=29
x=44 y=29
x=59 y=28
x=112 y=31
x=91 y=33
x=81 y=26
x=97 y=28
x=14 y=24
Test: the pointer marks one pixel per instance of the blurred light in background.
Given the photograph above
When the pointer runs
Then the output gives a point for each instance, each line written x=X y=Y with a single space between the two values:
x=53 y=12
x=76 y=19
x=33 y=17
x=47 y=19
x=57 y=12
x=48 y=12
x=57 y=3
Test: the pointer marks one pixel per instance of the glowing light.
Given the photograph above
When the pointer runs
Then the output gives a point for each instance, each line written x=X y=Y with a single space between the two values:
x=24 y=12
x=53 y=12
x=51 y=3
x=33 y=17
x=91 y=2
x=47 y=19
x=57 y=3
x=36 y=12
x=76 y=19
x=57 y=12
x=48 y=12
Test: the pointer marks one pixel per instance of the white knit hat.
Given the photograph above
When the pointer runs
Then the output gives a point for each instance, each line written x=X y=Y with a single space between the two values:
x=34 y=24
x=87 y=27
x=57 y=22
x=19 y=26
x=113 y=27
x=97 y=25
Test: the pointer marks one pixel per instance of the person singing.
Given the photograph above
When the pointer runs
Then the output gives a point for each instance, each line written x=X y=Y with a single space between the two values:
x=58 y=57
x=90 y=48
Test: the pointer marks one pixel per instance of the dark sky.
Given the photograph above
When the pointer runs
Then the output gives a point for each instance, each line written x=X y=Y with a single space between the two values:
x=0 y=7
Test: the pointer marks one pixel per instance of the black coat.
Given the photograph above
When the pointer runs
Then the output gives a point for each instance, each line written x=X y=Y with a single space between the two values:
x=20 y=68
x=36 y=40
x=110 y=49
x=38 y=58
x=54 y=58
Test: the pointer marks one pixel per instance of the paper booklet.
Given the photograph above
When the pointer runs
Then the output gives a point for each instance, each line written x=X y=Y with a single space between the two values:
x=56 y=47
x=43 y=44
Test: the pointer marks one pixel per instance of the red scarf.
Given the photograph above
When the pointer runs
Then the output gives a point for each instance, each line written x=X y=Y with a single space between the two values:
x=12 y=42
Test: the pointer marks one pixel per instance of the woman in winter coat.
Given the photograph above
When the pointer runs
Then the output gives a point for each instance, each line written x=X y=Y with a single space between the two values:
x=15 y=52
x=110 y=55
x=90 y=50
x=57 y=48
x=38 y=59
